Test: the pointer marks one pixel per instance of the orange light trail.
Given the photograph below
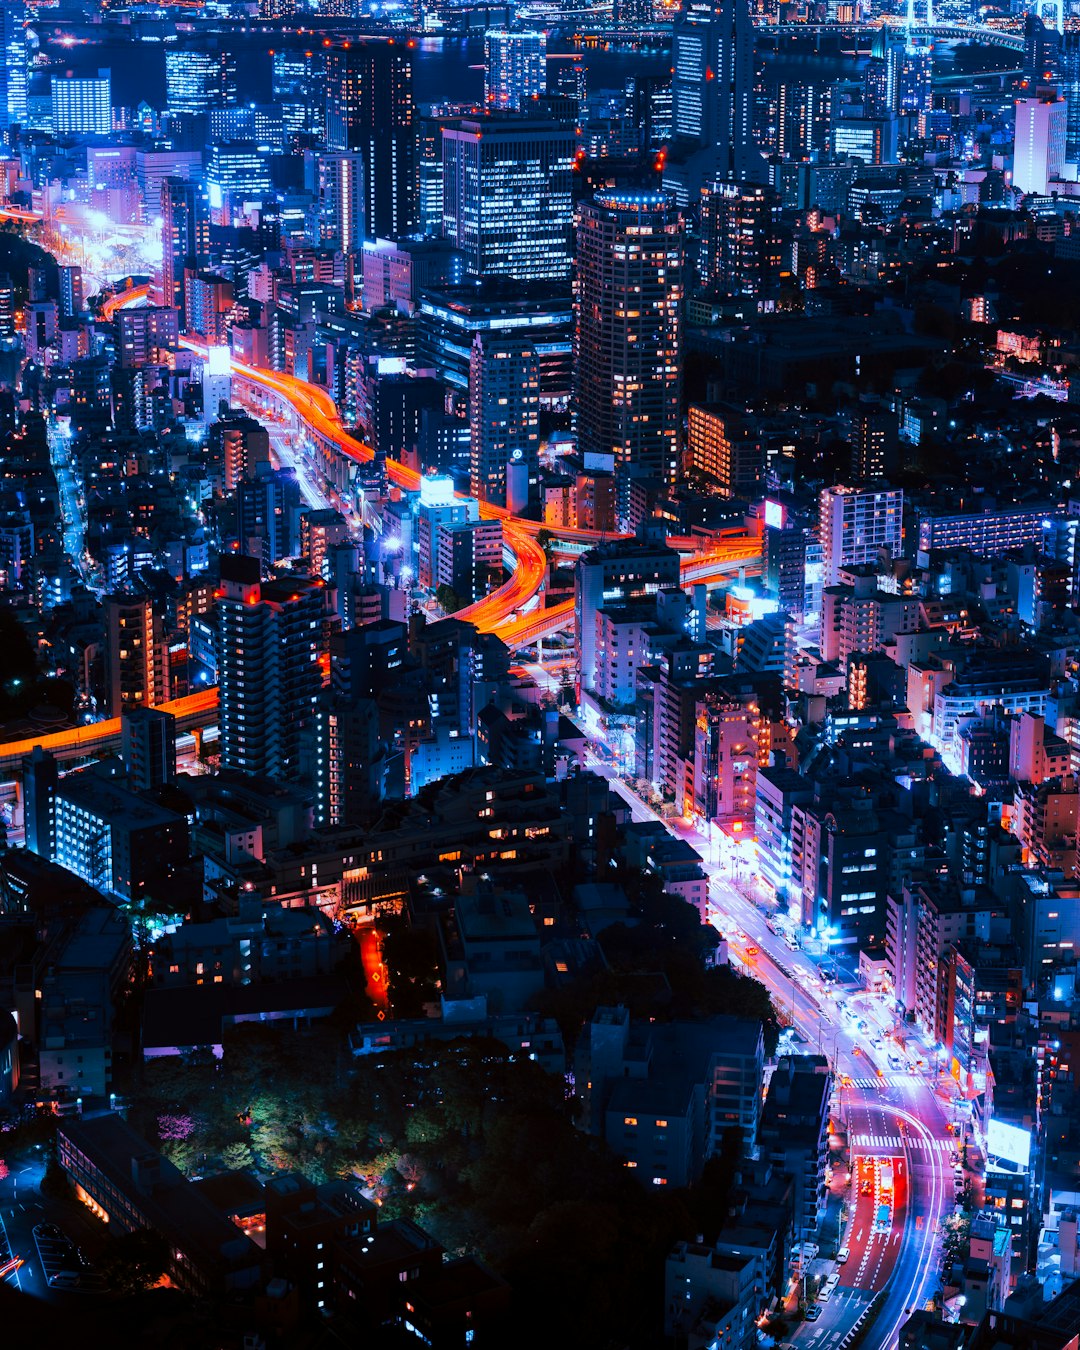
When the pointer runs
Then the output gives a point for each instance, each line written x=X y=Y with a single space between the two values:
x=497 y=612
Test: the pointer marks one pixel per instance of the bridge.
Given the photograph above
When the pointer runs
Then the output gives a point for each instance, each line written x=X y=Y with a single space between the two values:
x=981 y=34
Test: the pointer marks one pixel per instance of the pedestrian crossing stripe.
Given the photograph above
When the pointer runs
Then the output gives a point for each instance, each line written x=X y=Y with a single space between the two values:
x=879 y=1082
x=895 y=1142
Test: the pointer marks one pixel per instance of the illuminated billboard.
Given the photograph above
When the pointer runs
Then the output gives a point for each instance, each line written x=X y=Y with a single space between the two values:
x=774 y=515
x=1008 y=1143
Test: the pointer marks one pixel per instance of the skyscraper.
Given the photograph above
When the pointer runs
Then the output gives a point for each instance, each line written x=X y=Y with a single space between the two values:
x=269 y=639
x=515 y=67
x=185 y=235
x=369 y=108
x=196 y=81
x=1039 y=141
x=13 y=78
x=712 y=96
x=507 y=196
x=504 y=417
x=296 y=79
x=627 y=332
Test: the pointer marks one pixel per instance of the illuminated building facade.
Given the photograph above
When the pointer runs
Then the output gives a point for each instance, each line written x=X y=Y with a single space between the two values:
x=369 y=109
x=507 y=196
x=627 y=336
x=515 y=67
x=504 y=418
x=269 y=639
x=82 y=106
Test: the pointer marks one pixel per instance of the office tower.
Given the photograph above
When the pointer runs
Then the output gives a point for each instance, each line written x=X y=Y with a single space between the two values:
x=1039 y=142
x=740 y=248
x=185 y=236
x=369 y=109
x=712 y=91
x=429 y=171
x=270 y=637
x=337 y=183
x=82 y=105
x=148 y=747
x=450 y=317
x=856 y=526
x=803 y=118
x=914 y=81
x=627 y=336
x=208 y=303
x=515 y=68
x=13 y=75
x=507 y=196
x=70 y=284
x=236 y=172
x=196 y=81
x=296 y=79
x=1069 y=66
x=504 y=418
x=261 y=123
x=136 y=657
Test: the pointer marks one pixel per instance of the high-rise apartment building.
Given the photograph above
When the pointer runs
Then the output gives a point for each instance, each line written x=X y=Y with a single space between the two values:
x=369 y=109
x=269 y=640
x=725 y=446
x=627 y=336
x=740 y=248
x=185 y=236
x=148 y=740
x=875 y=442
x=515 y=67
x=507 y=196
x=69 y=284
x=136 y=658
x=1039 y=142
x=856 y=525
x=504 y=418
x=238 y=445
x=611 y=575
x=147 y=335
x=712 y=98
x=337 y=182
x=82 y=105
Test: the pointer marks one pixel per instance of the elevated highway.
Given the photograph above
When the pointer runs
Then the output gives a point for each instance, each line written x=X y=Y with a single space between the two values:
x=504 y=611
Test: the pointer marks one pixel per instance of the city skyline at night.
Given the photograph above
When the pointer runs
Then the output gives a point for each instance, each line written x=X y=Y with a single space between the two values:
x=540 y=674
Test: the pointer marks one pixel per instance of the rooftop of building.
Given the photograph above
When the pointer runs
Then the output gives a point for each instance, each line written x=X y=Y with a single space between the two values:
x=175 y=1207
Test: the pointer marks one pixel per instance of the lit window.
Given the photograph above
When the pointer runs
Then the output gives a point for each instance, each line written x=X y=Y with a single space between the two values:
x=629 y=1120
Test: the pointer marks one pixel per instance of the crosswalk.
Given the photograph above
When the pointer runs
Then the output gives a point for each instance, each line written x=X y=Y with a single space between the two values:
x=879 y=1082
x=892 y=1141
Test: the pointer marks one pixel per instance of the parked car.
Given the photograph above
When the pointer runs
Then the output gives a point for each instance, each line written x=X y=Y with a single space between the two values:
x=842 y=1255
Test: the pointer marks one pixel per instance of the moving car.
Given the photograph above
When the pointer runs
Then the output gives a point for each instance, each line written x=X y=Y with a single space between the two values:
x=842 y=1255
x=813 y=1313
